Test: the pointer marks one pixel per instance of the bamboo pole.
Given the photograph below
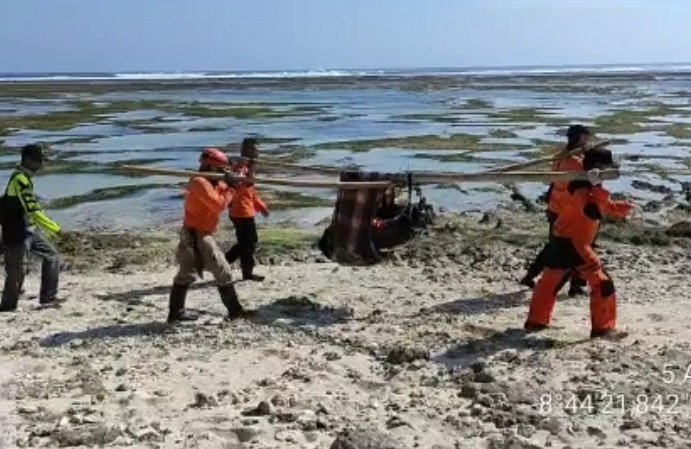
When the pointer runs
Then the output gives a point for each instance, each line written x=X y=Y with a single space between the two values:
x=544 y=177
x=423 y=178
x=259 y=180
x=543 y=160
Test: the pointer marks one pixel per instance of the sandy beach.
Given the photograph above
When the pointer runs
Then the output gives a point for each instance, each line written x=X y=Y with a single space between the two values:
x=426 y=348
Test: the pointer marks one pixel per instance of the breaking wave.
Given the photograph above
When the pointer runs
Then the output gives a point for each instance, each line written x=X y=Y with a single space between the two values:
x=482 y=71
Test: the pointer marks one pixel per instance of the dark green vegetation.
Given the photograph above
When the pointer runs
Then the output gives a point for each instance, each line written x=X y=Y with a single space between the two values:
x=87 y=112
x=631 y=121
x=528 y=115
x=104 y=194
x=426 y=142
x=679 y=131
x=276 y=199
x=499 y=133
x=283 y=200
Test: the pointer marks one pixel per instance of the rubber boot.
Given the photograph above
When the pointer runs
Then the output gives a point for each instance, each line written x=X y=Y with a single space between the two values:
x=531 y=328
x=609 y=334
x=229 y=296
x=252 y=277
x=527 y=281
x=177 y=311
x=248 y=273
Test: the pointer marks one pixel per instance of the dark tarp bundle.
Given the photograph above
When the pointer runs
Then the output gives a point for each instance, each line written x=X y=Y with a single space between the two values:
x=350 y=239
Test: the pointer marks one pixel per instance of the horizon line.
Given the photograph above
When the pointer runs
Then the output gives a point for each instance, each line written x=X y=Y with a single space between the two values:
x=391 y=68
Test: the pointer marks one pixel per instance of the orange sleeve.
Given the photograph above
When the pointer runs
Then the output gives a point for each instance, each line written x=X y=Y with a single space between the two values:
x=259 y=204
x=214 y=198
x=616 y=209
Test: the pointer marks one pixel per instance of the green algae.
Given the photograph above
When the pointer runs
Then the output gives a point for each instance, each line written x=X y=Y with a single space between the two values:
x=77 y=140
x=475 y=103
x=82 y=112
x=242 y=112
x=630 y=121
x=499 y=133
x=86 y=112
x=522 y=115
x=437 y=118
x=60 y=164
x=204 y=129
x=285 y=200
x=275 y=199
x=104 y=194
x=425 y=142
x=678 y=131
x=149 y=128
x=276 y=239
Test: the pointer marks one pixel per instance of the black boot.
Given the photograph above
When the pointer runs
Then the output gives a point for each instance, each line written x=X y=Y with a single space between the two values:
x=609 y=334
x=252 y=277
x=177 y=311
x=229 y=296
x=577 y=286
x=527 y=281
x=533 y=327
x=248 y=273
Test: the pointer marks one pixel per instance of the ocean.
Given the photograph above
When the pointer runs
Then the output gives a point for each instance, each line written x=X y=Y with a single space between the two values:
x=436 y=119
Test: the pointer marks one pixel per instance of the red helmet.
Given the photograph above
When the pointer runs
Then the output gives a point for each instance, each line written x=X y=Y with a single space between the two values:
x=214 y=157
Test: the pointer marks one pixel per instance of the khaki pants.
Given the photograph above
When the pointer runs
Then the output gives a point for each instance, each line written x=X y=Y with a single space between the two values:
x=212 y=259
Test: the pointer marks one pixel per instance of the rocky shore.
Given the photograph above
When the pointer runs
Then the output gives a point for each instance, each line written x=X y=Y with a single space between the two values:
x=425 y=350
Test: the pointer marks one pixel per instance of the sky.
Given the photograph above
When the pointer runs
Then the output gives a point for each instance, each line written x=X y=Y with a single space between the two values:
x=186 y=35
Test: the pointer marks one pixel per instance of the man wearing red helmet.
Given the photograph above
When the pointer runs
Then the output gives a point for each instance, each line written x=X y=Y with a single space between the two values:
x=197 y=250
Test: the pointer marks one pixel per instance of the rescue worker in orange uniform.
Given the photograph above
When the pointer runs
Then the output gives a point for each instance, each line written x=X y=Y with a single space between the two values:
x=571 y=251
x=242 y=211
x=557 y=198
x=197 y=251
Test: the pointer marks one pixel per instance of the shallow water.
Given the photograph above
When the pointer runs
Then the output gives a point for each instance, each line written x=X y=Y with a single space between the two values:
x=350 y=113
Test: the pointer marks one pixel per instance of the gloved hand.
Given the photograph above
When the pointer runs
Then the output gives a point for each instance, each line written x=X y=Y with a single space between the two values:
x=594 y=177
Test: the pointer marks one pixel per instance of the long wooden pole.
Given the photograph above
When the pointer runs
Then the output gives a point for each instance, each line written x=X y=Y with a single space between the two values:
x=605 y=175
x=546 y=159
x=259 y=180
x=423 y=178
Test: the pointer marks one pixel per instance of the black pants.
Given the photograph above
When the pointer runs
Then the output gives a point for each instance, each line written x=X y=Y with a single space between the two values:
x=244 y=248
x=541 y=260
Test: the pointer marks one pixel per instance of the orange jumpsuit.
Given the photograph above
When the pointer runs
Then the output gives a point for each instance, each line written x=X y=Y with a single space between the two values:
x=571 y=250
x=559 y=196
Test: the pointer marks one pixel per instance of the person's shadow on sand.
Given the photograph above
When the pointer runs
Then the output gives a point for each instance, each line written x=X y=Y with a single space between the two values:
x=493 y=342
x=105 y=332
x=291 y=312
x=133 y=295
x=480 y=304
x=486 y=303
